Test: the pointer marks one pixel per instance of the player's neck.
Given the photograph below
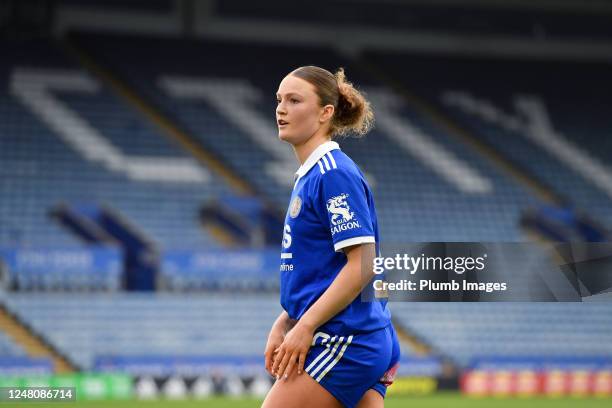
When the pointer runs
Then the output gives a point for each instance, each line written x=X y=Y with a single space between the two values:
x=303 y=151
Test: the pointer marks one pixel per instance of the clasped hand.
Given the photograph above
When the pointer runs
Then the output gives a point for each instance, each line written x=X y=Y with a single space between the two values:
x=291 y=353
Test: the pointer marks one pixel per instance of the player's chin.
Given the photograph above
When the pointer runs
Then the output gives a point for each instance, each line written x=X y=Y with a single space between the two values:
x=283 y=135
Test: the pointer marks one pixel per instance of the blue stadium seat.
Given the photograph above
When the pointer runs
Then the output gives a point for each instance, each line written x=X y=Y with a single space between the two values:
x=41 y=170
x=414 y=204
x=89 y=325
x=464 y=331
x=8 y=347
x=482 y=96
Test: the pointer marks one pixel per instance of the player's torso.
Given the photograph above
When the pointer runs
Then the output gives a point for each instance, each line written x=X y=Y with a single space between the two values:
x=321 y=214
x=308 y=261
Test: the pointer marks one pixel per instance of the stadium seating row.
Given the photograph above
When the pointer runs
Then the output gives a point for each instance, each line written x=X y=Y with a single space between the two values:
x=8 y=347
x=546 y=117
x=67 y=138
x=428 y=186
x=86 y=327
x=464 y=331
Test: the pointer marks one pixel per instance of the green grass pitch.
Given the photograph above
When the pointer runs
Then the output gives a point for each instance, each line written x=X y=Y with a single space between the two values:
x=440 y=400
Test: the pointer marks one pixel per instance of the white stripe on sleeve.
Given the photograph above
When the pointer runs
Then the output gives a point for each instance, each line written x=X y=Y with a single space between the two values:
x=353 y=241
x=332 y=160
x=326 y=163
x=321 y=167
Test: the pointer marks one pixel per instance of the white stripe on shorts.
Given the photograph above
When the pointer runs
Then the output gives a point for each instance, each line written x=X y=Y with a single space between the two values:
x=322 y=354
x=322 y=335
x=338 y=357
x=326 y=360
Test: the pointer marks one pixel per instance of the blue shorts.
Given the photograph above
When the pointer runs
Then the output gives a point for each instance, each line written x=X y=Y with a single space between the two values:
x=348 y=366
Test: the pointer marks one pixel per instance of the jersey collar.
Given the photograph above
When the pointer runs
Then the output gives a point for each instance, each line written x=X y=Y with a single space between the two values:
x=315 y=156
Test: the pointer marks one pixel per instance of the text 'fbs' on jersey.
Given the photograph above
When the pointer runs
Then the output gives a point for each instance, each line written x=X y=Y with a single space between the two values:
x=331 y=208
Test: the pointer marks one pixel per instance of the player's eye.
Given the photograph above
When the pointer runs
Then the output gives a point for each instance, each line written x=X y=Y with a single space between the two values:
x=293 y=100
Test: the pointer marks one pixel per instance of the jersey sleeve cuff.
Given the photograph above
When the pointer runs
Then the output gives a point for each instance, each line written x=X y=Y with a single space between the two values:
x=353 y=241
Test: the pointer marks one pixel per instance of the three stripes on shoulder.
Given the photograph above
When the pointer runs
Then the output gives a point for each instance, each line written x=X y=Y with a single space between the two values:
x=327 y=162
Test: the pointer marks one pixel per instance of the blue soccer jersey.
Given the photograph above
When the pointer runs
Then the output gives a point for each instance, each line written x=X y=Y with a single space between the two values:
x=331 y=208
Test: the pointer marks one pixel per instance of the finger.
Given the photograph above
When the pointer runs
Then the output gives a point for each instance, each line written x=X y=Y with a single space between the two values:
x=269 y=358
x=283 y=365
x=290 y=365
x=267 y=353
x=301 y=362
x=268 y=363
x=271 y=364
x=277 y=360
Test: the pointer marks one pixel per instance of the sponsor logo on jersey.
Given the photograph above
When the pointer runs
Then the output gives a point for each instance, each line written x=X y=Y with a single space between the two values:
x=342 y=218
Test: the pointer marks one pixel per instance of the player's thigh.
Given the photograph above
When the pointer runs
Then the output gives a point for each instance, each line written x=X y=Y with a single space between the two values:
x=299 y=391
x=371 y=399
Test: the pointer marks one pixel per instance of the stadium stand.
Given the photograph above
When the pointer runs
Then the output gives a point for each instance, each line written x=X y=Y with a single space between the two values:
x=472 y=19
x=465 y=331
x=51 y=152
x=547 y=117
x=8 y=346
x=62 y=269
x=223 y=104
x=429 y=187
x=145 y=325
x=91 y=328
x=84 y=326
x=75 y=129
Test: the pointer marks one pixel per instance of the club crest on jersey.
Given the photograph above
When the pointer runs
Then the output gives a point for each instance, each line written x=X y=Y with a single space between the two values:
x=295 y=207
x=342 y=218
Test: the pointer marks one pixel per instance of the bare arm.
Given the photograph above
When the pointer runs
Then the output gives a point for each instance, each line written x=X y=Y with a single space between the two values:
x=282 y=319
x=344 y=289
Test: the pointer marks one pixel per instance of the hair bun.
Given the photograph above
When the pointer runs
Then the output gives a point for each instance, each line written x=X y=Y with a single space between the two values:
x=353 y=113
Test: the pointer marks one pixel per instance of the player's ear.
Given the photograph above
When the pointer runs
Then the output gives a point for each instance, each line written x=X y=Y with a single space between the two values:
x=327 y=112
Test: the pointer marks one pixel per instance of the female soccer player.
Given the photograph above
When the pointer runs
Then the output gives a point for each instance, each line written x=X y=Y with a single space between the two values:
x=345 y=344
